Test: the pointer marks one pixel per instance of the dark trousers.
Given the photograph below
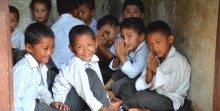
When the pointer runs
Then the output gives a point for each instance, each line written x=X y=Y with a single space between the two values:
x=44 y=107
x=76 y=103
x=145 y=99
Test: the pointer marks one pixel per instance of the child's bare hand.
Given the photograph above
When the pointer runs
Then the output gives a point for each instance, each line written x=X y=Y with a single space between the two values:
x=100 y=38
x=60 y=106
x=121 y=49
x=153 y=63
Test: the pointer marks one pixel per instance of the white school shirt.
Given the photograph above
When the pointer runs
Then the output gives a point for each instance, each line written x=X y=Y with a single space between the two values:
x=30 y=83
x=72 y=74
x=112 y=48
x=172 y=78
x=93 y=24
x=136 y=61
x=61 y=29
x=17 y=39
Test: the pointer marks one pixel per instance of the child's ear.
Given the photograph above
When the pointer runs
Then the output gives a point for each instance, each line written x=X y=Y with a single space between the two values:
x=96 y=43
x=142 y=15
x=118 y=29
x=93 y=12
x=171 y=39
x=28 y=48
x=142 y=37
x=71 y=48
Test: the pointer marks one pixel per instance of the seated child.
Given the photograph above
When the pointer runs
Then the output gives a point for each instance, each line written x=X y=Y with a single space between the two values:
x=163 y=85
x=86 y=13
x=17 y=36
x=61 y=28
x=108 y=32
x=131 y=56
x=30 y=73
x=133 y=8
x=41 y=11
x=80 y=78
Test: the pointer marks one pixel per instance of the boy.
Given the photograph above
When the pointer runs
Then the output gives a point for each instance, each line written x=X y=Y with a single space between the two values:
x=81 y=76
x=133 y=8
x=131 y=53
x=108 y=32
x=30 y=74
x=17 y=38
x=163 y=85
x=86 y=13
x=61 y=28
x=41 y=11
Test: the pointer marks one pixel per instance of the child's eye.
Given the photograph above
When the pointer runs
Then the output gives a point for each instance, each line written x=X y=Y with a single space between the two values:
x=157 y=42
x=79 y=47
x=90 y=44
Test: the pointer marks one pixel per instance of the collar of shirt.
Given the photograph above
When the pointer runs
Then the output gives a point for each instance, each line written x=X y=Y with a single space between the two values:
x=89 y=64
x=67 y=16
x=132 y=54
x=118 y=37
x=16 y=30
x=93 y=23
x=171 y=53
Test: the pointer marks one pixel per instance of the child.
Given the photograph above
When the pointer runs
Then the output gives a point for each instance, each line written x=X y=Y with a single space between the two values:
x=133 y=8
x=86 y=13
x=30 y=74
x=41 y=11
x=61 y=28
x=81 y=76
x=17 y=38
x=131 y=53
x=163 y=85
x=108 y=32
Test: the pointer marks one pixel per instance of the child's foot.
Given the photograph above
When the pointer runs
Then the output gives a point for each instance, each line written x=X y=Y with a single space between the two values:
x=110 y=94
x=116 y=103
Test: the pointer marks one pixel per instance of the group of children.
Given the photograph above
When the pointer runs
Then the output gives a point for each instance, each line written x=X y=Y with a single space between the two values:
x=142 y=67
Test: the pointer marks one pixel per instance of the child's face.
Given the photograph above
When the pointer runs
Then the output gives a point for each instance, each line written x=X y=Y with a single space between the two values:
x=86 y=14
x=84 y=47
x=131 y=38
x=110 y=33
x=42 y=50
x=13 y=21
x=40 y=12
x=132 y=11
x=159 y=44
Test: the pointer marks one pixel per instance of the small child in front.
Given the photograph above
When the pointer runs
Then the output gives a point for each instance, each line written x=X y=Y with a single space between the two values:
x=79 y=81
x=30 y=73
x=163 y=85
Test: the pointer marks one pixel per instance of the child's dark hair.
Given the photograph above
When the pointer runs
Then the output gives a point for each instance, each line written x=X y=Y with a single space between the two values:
x=46 y=2
x=137 y=3
x=108 y=19
x=13 y=9
x=89 y=3
x=65 y=6
x=36 y=31
x=159 y=26
x=134 y=23
x=79 y=30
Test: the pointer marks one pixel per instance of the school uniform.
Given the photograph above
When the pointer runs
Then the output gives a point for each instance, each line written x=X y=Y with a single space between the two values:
x=17 y=39
x=30 y=84
x=93 y=24
x=168 y=88
x=135 y=64
x=78 y=79
x=61 y=30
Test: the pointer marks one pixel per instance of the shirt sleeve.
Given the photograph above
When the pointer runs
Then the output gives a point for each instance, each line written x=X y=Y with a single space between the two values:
x=117 y=68
x=135 y=68
x=21 y=43
x=140 y=83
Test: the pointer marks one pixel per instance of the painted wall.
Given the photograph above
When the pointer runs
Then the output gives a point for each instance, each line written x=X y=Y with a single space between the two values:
x=194 y=24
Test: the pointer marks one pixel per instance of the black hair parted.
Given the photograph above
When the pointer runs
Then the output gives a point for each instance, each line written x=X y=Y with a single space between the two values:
x=137 y=3
x=134 y=23
x=36 y=31
x=66 y=6
x=159 y=26
x=89 y=3
x=80 y=30
x=108 y=19
x=13 y=9
x=46 y=2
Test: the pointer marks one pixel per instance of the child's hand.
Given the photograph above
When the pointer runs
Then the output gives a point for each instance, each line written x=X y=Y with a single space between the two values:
x=60 y=106
x=121 y=50
x=100 y=38
x=153 y=63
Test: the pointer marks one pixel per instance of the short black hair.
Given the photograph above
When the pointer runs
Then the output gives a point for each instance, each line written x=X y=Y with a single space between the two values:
x=80 y=30
x=46 y=2
x=89 y=3
x=137 y=3
x=159 y=26
x=65 y=6
x=108 y=19
x=13 y=9
x=36 y=31
x=134 y=23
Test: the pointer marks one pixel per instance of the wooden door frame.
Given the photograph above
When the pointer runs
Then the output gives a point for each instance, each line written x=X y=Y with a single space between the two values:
x=6 y=86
